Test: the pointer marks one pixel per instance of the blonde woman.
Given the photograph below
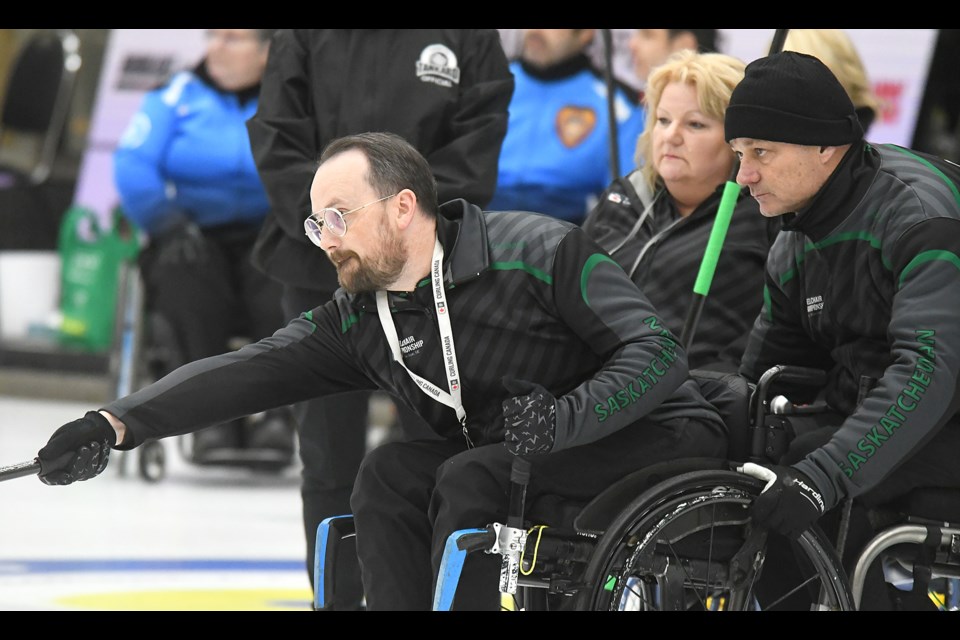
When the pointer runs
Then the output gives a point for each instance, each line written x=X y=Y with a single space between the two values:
x=835 y=49
x=656 y=221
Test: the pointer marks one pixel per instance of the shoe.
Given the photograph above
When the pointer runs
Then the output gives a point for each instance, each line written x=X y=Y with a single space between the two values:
x=270 y=438
x=217 y=444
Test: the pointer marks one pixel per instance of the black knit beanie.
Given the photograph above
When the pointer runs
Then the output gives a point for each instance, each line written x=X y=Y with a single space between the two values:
x=791 y=97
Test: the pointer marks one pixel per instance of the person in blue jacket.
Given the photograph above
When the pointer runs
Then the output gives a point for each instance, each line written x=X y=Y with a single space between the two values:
x=556 y=156
x=186 y=177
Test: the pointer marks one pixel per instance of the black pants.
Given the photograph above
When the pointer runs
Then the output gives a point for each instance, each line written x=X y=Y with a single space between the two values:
x=333 y=440
x=410 y=496
x=216 y=298
x=206 y=302
x=933 y=465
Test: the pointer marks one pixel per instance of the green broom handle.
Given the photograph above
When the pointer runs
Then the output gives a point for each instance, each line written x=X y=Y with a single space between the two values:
x=708 y=265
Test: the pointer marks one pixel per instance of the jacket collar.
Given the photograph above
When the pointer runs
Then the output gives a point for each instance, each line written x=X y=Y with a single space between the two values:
x=707 y=207
x=243 y=95
x=463 y=234
x=838 y=197
x=561 y=70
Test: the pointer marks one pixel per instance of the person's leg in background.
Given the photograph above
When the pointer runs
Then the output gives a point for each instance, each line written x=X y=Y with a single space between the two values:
x=272 y=433
x=196 y=300
x=332 y=434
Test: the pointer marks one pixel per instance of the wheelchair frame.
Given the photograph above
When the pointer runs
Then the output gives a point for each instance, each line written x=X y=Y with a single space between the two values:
x=677 y=536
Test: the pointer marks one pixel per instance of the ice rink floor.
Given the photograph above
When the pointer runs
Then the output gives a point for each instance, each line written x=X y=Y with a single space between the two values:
x=201 y=538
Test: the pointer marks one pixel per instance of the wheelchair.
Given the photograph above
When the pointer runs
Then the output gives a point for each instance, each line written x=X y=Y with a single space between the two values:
x=146 y=350
x=677 y=536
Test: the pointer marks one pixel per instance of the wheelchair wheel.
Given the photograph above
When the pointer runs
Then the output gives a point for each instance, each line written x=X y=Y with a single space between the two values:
x=153 y=461
x=688 y=544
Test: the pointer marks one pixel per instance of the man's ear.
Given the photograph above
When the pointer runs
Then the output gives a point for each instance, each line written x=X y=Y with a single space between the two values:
x=826 y=153
x=406 y=207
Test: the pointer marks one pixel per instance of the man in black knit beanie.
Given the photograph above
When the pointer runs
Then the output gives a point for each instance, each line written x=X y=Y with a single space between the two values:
x=862 y=282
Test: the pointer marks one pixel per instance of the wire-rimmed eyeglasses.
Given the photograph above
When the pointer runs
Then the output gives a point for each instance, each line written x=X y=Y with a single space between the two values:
x=332 y=219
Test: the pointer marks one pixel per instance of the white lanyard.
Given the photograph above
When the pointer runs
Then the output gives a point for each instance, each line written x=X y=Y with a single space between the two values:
x=451 y=399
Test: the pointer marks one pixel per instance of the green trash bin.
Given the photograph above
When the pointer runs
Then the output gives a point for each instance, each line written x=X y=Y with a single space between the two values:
x=91 y=260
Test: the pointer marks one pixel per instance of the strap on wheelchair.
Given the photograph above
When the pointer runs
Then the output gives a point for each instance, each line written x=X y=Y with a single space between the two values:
x=923 y=564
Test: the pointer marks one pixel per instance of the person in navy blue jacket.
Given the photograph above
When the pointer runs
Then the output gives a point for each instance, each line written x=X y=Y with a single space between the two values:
x=185 y=174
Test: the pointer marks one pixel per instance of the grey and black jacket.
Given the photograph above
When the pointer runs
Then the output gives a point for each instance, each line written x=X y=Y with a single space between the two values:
x=865 y=283
x=662 y=252
x=529 y=296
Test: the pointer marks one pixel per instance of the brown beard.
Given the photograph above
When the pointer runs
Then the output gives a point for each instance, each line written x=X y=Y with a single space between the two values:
x=380 y=270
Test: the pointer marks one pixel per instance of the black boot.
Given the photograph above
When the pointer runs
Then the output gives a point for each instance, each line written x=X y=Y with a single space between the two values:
x=218 y=444
x=270 y=439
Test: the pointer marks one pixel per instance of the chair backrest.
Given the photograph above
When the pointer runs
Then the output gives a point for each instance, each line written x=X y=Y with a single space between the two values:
x=730 y=394
x=38 y=95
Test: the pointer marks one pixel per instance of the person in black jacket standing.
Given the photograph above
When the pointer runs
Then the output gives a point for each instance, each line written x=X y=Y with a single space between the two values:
x=446 y=91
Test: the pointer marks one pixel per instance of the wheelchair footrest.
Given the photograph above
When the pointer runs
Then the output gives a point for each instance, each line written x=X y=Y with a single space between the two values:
x=335 y=547
x=459 y=544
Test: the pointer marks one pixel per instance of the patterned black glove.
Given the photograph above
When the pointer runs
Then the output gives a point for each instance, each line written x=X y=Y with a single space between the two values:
x=181 y=245
x=78 y=450
x=530 y=418
x=789 y=503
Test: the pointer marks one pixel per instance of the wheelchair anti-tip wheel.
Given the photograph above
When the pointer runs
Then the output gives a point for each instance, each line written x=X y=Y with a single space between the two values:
x=152 y=461
x=688 y=544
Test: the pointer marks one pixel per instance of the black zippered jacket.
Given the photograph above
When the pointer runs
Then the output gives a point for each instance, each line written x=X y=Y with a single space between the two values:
x=446 y=91
x=865 y=283
x=663 y=256
x=529 y=296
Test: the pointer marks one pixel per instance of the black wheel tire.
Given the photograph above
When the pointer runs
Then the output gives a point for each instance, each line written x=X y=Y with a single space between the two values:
x=664 y=512
x=153 y=461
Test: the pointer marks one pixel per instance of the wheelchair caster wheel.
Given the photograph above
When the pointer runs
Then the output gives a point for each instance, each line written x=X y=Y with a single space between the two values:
x=153 y=461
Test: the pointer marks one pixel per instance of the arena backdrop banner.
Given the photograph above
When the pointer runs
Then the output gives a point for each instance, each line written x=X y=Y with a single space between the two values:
x=135 y=61
x=896 y=60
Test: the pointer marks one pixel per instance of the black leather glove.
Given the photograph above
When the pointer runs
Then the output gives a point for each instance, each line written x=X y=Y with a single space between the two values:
x=789 y=503
x=530 y=418
x=181 y=245
x=78 y=450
